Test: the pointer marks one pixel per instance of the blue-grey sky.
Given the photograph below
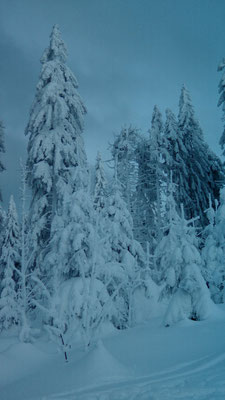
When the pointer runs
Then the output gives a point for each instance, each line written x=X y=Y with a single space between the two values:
x=127 y=56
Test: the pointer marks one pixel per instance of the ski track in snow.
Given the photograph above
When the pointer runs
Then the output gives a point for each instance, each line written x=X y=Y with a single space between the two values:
x=202 y=379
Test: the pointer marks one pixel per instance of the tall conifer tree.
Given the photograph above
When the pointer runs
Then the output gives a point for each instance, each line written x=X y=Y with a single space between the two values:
x=143 y=211
x=124 y=149
x=156 y=170
x=124 y=257
x=100 y=188
x=55 y=147
x=221 y=102
x=174 y=155
x=2 y=168
x=149 y=184
x=10 y=262
x=200 y=163
x=2 y=150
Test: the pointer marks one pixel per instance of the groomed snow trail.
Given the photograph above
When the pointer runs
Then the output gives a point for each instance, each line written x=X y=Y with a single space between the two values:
x=202 y=379
x=148 y=362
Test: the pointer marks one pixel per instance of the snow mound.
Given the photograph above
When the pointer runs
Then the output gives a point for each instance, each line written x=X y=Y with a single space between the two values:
x=101 y=366
x=18 y=360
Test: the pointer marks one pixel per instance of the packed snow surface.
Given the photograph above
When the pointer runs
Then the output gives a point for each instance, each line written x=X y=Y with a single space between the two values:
x=148 y=362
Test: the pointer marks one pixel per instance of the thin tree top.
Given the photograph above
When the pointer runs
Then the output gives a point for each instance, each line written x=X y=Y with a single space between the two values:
x=56 y=101
x=2 y=144
x=186 y=118
x=100 y=183
x=186 y=110
x=155 y=132
x=56 y=154
x=156 y=129
x=57 y=49
x=171 y=126
x=157 y=124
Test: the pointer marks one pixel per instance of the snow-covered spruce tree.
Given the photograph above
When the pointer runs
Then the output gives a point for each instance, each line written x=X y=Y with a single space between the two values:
x=72 y=236
x=180 y=262
x=2 y=150
x=167 y=252
x=123 y=149
x=143 y=214
x=2 y=168
x=174 y=156
x=76 y=268
x=156 y=170
x=55 y=146
x=75 y=300
x=213 y=252
x=10 y=265
x=100 y=187
x=2 y=228
x=149 y=184
x=201 y=164
x=125 y=260
x=216 y=176
x=221 y=102
x=27 y=288
x=100 y=201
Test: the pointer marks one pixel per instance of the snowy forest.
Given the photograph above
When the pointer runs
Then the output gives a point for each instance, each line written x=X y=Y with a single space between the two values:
x=92 y=252
x=105 y=249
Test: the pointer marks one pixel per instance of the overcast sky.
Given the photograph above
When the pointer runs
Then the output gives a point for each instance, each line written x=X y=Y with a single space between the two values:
x=127 y=56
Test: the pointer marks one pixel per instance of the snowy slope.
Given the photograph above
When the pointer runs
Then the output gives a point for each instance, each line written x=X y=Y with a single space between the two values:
x=186 y=361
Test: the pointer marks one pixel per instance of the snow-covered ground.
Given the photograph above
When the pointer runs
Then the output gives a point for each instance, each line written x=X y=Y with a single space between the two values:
x=186 y=361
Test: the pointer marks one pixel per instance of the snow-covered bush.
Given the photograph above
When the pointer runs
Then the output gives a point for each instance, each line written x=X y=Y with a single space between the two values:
x=213 y=252
x=79 y=310
x=190 y=295
x=179 y=264
x=146 y=301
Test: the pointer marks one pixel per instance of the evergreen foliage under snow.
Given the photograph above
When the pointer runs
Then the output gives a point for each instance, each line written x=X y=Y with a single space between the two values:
x=200 y=163
x=55 y=146
x=85 y=262
x=10 y=267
